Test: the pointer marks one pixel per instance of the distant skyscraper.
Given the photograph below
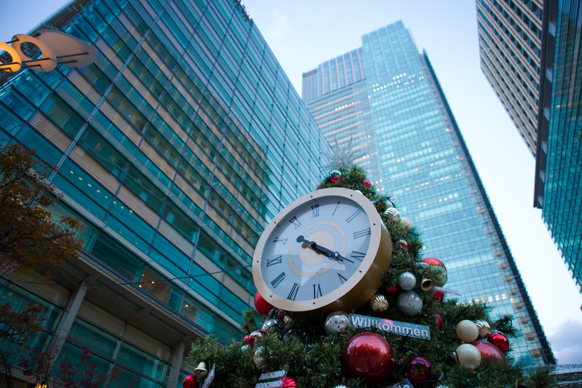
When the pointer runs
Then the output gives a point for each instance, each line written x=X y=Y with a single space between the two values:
x=423 y=161
x=558 y=187
x=175 y=149
x=510 y=33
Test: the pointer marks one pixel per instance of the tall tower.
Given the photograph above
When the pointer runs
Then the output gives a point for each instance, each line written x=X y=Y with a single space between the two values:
x=175 y=149
x=424 y=162
x=510 y=42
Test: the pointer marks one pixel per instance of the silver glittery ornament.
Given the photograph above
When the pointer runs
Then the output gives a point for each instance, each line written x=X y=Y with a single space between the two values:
x=257 y=335
x=379 y=303
x=484 y=328
x=406 y=281
x=337 y=322
x=392 y=213
x=269 y=324
x=409 y=303
x=258 y=356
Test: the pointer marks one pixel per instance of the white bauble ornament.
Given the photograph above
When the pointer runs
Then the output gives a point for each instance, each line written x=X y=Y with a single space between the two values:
x=404 y=221
x=406 y=281
x=468 y=356
x=467 y=331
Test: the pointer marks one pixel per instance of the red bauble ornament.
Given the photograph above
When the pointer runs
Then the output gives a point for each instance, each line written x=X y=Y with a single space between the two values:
x=392 y=290
x=433 y=261
x=499 y=340
x=261 y=305
x=438 y=320
x=367 y=183
x=418 y=369
x=246 y=339
x=289 y=382
x=189 y=382
x=438 y=295
x=488 y=350
x=368 y=356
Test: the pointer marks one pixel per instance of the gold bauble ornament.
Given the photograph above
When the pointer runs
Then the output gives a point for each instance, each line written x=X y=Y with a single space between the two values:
x=379 y=303
x=484 y=328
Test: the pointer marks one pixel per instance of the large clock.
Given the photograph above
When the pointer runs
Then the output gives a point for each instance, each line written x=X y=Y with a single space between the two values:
x=325 y=251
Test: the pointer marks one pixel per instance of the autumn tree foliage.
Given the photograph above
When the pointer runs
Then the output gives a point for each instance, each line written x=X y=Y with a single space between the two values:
x=30 y=240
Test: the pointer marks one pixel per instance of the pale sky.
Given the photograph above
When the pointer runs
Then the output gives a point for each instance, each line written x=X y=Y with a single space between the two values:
x=304 y=33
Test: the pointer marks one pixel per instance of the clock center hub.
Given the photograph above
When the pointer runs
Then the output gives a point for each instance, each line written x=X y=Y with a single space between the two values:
x=308 y=256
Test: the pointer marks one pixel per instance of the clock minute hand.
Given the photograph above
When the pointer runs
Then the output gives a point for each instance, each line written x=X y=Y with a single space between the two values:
x=327 y=252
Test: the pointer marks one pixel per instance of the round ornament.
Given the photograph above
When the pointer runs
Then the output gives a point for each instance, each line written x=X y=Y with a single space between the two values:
x=335 y=176
x=379 y=303
x=189 y=382
x=337 y=322
x=409 y=303
x=392 y=213
x=438 y=295
x=406 y=281
x=246 y=339
x=367 y=183
x=258 y=356
x=261 y=305
x=403 y=244
x=368 y=356
x=404 y=221
x=438 y=320
x=499 y=340
x=436 y=262
x=484 y=328
x=488 y=350
x=468 y=356
x=392 y=290
x=418 y=369
x=269 y=324
x=289 y=382
x=467 y=331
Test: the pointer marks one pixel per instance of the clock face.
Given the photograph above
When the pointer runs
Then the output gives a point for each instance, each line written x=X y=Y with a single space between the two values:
x=317 y=249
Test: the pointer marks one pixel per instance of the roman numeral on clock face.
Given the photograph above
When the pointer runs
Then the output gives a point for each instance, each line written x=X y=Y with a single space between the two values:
x=358 y=255
x=316 y=291
x=350 y=218
x=278 y=279
x=276 y=260
x=342 y=279
x=315 y=211
x=295 y=222
x=283 y=240
x=362 y=233
x=294 y=290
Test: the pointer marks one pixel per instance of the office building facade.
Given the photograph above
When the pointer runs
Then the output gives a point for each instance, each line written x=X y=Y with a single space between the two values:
x=510 y=43
x=175 y=149
x=425 y=164
x=558 y=190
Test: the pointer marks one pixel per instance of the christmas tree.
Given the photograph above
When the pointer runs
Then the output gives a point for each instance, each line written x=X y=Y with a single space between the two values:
x=406 y=334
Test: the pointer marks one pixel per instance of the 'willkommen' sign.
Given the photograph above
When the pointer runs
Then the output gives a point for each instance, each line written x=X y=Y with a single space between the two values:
x=389 y=326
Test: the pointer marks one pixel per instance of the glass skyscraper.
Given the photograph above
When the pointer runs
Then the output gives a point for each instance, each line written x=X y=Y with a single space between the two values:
x=424 y=162
x=558 y=190
x=175 y=149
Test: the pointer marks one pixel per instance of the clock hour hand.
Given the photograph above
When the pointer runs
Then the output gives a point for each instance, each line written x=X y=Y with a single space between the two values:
x=325 y=251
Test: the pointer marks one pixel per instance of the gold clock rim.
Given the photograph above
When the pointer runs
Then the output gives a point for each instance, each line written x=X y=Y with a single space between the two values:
x=354 y=289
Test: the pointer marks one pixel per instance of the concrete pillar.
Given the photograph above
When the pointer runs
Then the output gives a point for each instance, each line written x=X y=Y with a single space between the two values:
x=176 y=364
